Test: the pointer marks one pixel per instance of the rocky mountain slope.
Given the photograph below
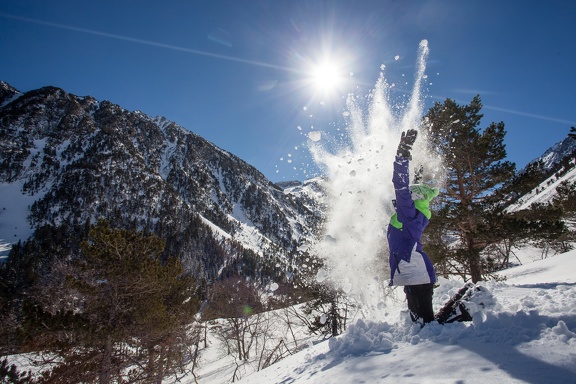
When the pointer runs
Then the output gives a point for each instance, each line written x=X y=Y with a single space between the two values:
x=556 y=166
x=66 y=160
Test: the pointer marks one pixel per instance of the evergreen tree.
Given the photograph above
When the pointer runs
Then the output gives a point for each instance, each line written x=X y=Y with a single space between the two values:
x=544 y=225
x=475 y=169
x=540 y=224
x=26 y=275
x=121 y=313
x=566 y=197
x=566 y=201
x=525 y=181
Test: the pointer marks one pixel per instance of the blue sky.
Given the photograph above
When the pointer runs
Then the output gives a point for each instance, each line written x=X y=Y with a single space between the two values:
x=238 y=72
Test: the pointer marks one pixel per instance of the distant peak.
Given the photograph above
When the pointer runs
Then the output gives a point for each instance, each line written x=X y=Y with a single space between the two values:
x=7 y=93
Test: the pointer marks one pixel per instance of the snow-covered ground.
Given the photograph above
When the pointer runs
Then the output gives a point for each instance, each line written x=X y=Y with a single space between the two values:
x=525 y=334
x=13 y=213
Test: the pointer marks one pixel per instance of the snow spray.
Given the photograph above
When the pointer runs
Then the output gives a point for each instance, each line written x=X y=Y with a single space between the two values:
x=360 y=191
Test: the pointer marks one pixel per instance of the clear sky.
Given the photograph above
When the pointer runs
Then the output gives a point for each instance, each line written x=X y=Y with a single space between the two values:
x=241 y=73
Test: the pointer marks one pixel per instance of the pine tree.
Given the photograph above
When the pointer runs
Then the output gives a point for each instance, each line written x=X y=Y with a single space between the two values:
x=121 y=313
x=567 y=198
x=475 y=169
x=525 y=181
x=572 y=133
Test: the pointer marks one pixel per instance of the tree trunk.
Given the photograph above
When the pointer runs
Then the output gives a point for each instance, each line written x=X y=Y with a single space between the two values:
x=334 y=316
x=238 y=337
x=160 y=368
x=474 y=262
x=106 y=364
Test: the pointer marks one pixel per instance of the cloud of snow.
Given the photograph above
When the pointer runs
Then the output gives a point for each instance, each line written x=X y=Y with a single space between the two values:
x=360 y=189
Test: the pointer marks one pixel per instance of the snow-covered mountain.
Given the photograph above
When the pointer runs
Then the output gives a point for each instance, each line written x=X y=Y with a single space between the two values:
x=557 y=153
x=546 y=191
x=66 y=159
x=555 y=166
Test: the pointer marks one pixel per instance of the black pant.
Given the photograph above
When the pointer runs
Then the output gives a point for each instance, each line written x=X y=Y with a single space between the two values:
x=420 y=301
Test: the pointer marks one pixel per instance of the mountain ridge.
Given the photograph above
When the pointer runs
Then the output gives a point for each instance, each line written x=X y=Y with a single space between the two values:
x=80 y=159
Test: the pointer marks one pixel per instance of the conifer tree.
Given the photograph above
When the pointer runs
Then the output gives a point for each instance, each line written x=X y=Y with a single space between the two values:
x=475 y=165
x=124 y=311
x=566 y=197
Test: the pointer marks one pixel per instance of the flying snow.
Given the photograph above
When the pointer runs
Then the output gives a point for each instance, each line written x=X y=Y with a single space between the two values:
x=360 y=189
x=315 y=135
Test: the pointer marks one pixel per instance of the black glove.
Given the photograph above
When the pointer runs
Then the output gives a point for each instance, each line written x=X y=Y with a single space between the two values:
x=406 y=141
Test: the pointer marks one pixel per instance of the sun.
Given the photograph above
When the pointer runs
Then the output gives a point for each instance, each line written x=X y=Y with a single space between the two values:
x=325 y=73
x=326 y=77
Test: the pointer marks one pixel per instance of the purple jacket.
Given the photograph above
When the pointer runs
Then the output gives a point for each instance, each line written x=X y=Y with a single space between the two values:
x=409 y=264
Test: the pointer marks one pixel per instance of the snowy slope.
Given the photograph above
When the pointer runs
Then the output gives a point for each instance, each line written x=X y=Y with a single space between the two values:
x=544 y=193
x=13 y=213
x=527 y=334
x=557 y=152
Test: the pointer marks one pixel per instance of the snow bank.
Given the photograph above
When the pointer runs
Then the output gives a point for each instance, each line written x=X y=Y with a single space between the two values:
x=523 y=331
x=364 y=337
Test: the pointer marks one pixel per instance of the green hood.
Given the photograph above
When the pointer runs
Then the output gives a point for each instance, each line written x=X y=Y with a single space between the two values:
x=422 y=195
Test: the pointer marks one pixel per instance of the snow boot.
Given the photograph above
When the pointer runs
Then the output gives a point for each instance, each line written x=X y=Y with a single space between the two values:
x=455 y=308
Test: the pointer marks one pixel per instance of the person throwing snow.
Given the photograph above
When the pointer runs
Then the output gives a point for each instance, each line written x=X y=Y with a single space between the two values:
x=409 y=265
